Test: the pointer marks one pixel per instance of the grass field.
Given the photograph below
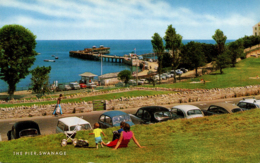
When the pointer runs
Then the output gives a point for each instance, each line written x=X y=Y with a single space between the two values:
x=221 y=138
x=241 y=75
x=91 y=98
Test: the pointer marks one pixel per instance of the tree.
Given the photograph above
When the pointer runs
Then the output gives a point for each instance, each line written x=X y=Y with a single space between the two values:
x=18 y=46
x=220 y=39
x=125 y=76
x=194 y=55
x=173 y=43
x=158 y=48
x=223 y=58
x=236 y=50
x=40 y=79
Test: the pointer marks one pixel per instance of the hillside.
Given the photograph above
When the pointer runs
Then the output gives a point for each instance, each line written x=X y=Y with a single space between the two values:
x=224 y=138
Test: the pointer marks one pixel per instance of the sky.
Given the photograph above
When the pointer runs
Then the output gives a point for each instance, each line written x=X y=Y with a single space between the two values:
x=130 y=19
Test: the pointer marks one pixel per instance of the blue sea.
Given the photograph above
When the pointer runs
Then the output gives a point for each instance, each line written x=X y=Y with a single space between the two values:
x=67 y=69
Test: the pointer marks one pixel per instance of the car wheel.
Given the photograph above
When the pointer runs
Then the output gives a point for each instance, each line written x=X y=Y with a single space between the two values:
x=9 y=135
x=63 y=142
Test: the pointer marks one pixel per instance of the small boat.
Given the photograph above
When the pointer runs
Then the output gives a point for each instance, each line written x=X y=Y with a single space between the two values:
x=48 y=60
x=56 y=57
x=53 y=55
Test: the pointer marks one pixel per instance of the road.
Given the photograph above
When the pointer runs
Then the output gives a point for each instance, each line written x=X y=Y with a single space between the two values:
x=48 y=124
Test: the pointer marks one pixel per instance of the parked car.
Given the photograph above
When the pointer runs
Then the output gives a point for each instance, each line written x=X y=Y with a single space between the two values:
x=151 y=114
x=167 y=75
x=23 y=129
x=74 y=85
x=144 y=81
x=221 y=108
x=67 y=87
x=179 y=72
x=68 y=124
x=186 y=111
x=114 y=118
x=184 y=70
x=82 y=85
x=247 y=104
x=91 y=85
x=132 y=82
x=163 y=77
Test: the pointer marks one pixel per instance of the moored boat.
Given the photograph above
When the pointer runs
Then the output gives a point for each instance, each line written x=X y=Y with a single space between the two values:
x=49 y=60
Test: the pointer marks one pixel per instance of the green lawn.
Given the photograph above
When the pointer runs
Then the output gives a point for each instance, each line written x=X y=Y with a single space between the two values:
x=91 y=98
x=233 y=77
x=223 y=138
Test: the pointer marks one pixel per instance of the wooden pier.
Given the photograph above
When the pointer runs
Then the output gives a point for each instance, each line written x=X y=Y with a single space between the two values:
x=93 y=56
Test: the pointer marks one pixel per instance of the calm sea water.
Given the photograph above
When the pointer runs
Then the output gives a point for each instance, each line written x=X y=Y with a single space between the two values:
x=67 y=69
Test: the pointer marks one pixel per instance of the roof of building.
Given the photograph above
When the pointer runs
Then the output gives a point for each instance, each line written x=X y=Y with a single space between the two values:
x=88 y=74
x=109 y=75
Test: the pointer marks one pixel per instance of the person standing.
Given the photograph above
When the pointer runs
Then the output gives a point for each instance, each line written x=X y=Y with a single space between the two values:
x=58 y=109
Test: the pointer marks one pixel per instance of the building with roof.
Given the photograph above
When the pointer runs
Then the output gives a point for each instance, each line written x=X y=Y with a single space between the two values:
x=256 y=29
x=109 y=79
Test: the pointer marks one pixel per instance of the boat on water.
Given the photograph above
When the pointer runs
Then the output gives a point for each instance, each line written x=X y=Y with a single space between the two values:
x=49 y=60
x=56 y=57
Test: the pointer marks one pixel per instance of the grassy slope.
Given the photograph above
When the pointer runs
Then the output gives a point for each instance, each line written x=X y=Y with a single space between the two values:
x=224 y=138
x=91 y=98
x=232 y=77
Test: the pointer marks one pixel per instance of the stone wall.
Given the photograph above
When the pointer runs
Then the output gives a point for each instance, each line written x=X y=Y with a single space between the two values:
x=183 y=96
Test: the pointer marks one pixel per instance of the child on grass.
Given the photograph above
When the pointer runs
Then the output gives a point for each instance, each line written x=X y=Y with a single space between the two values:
x=97 y=132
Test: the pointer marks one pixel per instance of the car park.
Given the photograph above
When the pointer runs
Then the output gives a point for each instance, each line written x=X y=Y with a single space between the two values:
x=23 y=129
x=247 y=104
x=144 y=81
x=74 y=85
x=151 y=114
x=114 y=118
x=70 y=124
x=221 y=108
x=186 y=111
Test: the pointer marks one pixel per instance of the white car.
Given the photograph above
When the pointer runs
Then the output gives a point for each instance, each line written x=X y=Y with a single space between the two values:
x=163 y=77
x=69 y=124
x=132 y=82
x=144 y=81
x=247 y=104
x=167 y=75
x=186 y=111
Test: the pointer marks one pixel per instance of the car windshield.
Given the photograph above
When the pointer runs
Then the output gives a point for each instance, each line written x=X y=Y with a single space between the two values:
x=162 y=115
x=81 y=127
x=193 y=112
x=28 y=132
x=121 y=118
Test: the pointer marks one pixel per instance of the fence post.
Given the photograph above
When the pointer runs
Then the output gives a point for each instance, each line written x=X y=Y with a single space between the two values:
x=0 y=137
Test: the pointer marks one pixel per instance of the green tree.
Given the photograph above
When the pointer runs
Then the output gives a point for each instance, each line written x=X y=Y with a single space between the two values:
x=194 y=55
x=223 y=58
x=173 y=44
x=158 y=48
x=125 y=76
x=18 y=46
x=40 y=79
x=220 y=39
x=236 y=50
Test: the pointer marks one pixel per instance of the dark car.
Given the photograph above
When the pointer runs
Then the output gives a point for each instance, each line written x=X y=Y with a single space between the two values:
x=151 y=114
x=221 y=108
x=114 y=118
x=22 y=129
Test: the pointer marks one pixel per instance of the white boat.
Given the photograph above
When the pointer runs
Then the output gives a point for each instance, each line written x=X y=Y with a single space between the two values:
x=48 y=60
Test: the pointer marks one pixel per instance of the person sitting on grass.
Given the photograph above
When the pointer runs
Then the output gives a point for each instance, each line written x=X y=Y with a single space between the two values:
x=124 y=139
x=116 y=134
x=97 y=132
